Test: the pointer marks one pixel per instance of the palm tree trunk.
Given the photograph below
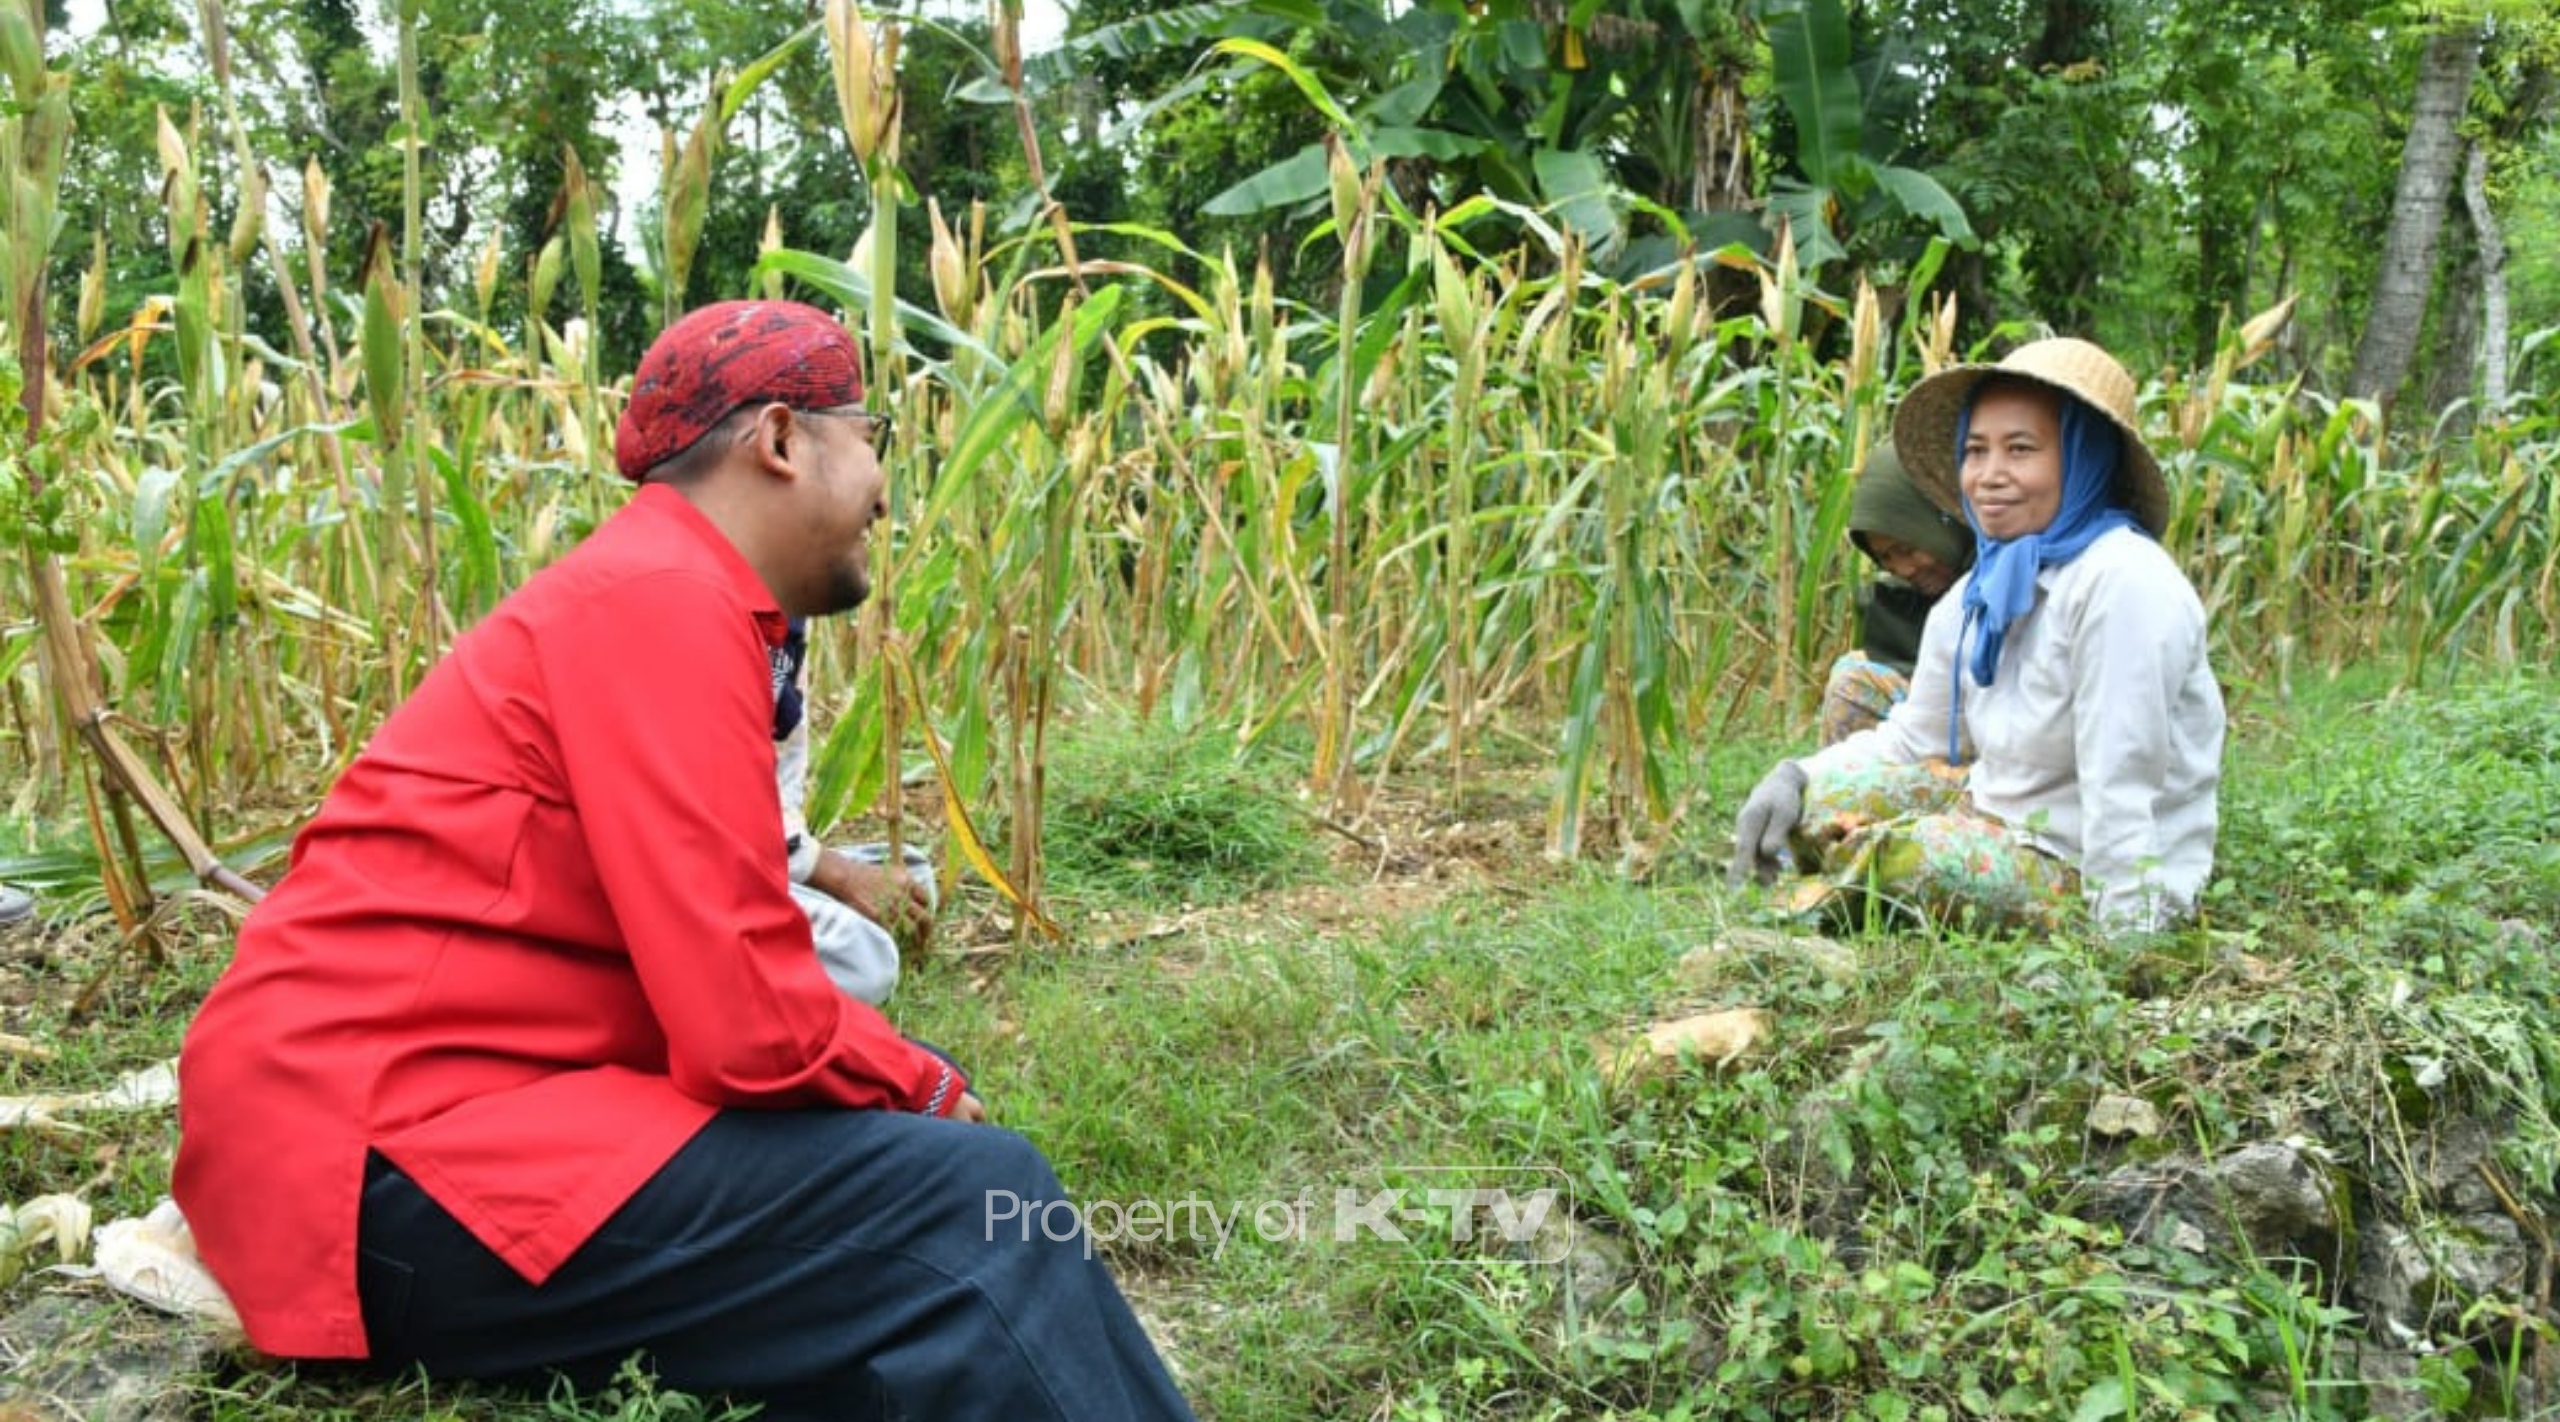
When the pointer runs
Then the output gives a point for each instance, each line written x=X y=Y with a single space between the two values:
x=2427 y=167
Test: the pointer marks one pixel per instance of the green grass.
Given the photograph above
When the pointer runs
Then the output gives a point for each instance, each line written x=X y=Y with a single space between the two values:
x=275 y=1395
x=1145 y=813
x=2421 y=816
x=1893 y=1213
x=1890 y=1215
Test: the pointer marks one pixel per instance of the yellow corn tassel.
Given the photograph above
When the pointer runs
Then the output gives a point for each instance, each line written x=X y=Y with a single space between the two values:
x=766 y=246
x=93 y=289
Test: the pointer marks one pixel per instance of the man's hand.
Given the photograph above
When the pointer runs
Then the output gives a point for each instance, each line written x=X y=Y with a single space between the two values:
x=883 y=893
x=970 y=1109
x=1767 y=818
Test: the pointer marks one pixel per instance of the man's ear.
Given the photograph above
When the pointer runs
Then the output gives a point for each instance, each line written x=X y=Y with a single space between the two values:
x=772 y=438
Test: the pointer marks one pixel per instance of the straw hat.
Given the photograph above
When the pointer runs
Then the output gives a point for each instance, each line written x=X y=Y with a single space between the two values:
x=1924 y=427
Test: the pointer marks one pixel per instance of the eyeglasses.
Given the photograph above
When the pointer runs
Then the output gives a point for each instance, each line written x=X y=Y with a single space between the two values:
x=880 y=425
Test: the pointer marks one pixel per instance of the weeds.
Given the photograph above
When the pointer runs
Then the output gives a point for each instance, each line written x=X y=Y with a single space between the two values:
x=632 y=1396
x=1896 y=1214
x=1144 y=812
x=2432 y=815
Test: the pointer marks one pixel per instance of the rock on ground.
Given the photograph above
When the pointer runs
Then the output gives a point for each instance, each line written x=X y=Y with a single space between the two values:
x=89 y=1356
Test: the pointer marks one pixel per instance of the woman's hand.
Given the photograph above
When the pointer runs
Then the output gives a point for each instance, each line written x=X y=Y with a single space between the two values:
x=1768 y=817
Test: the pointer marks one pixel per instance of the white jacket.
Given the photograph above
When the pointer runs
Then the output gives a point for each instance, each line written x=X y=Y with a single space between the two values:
x=859 y=955
x=2101 y=737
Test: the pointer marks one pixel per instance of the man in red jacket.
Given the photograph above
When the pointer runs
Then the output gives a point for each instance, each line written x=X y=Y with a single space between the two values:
x=528 y=1063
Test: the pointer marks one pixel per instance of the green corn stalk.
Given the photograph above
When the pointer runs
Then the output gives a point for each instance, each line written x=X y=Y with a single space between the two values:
x=1629 y=646
x=316 y=384
x=470 y=496
x=383 y=351
x=1354 y=212
x=1781 y=311
x=406 y=445
x=2483 y=564
x=586 y=261
x=246 y=669
x=206 y=595
x=35 y=134
x=1268 y=571
x=1460 y=304
x=865 y=71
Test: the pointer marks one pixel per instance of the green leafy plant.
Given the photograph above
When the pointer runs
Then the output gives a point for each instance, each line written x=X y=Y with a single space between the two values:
x=1145 y=812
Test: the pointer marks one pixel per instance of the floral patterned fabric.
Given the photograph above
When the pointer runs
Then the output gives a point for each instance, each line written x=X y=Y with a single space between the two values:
x=1858 y=694
x=1908 y=838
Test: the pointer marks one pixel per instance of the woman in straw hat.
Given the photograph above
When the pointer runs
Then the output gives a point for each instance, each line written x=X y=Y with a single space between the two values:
x=2063 y=736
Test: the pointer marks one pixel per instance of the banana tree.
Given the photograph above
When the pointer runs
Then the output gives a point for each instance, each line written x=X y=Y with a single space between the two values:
x=1595 y=120
x=1838 y=185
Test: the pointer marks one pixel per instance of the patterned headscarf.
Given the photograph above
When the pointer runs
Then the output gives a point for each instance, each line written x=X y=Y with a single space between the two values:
x=726 y=355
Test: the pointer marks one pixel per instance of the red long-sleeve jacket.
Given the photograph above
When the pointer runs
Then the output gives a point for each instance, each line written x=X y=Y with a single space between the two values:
x=536 y=936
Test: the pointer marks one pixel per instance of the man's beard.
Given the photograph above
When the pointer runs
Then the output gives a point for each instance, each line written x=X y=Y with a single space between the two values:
x=847 y=589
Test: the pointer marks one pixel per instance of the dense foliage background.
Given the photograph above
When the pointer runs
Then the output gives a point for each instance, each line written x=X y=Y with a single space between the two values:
x=1395 y=375
x=2131 y=170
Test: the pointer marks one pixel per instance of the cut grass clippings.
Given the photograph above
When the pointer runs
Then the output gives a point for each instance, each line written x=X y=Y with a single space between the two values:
x=1143 y=813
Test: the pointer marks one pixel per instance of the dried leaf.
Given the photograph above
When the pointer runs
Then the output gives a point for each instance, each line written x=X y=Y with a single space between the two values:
x=2124 y=1116
x=154 y=1259
x=964 y=831
x=148 y=1089
x=1721 y=1038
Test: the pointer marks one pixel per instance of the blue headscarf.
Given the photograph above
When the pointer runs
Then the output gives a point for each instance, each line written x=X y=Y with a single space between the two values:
x=2004 y=569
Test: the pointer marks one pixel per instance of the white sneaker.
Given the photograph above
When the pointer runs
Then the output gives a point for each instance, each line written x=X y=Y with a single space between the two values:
x=15 y=904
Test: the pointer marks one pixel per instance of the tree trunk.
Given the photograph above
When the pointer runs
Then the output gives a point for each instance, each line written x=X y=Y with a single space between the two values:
x=2441 y=379
x=2493 y=282
x=2427 y=166
x=2221 y=291
x=1720 y=173
x=2071 y=34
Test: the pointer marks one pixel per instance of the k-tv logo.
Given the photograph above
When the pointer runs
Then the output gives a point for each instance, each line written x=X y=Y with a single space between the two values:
x=1439 y=1214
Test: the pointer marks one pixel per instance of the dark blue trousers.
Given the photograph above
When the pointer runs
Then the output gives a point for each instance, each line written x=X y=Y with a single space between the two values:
x=829 y=1264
